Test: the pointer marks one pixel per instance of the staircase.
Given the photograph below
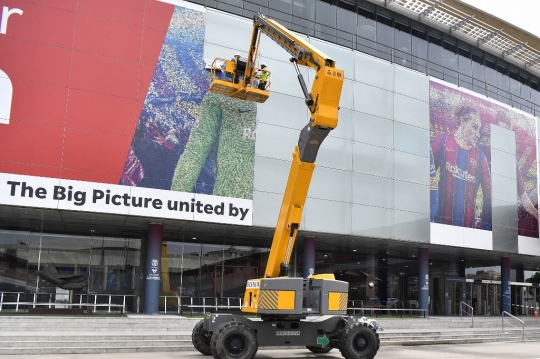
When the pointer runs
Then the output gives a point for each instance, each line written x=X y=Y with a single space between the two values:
x=161 y=333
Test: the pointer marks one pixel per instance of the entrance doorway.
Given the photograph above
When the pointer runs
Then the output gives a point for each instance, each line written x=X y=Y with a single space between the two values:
x=525 y=298
x=484 y=297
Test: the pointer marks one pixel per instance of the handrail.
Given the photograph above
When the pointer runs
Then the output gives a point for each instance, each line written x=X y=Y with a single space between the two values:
x=472 y=313
x=375 y=310
x=522 y=323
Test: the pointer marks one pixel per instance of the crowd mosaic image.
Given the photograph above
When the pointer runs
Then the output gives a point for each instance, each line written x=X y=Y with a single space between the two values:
x=189 y=139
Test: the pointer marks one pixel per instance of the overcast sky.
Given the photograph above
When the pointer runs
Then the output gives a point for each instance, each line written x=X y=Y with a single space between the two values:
x=521 y=13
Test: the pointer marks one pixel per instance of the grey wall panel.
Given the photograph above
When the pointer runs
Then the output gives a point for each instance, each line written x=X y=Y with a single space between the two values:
x=371 y=221
x=411 y=139
x=504 y=188
x=212 y=51
x=344 y=128
x=283 y=110
x=411 y=168
x=411 y=111
x=373 y=130
x=283 y=78
x=503 y=163
x=331 y=184
x=411 y=226
x=504 y=213
x=372 y=190
x=271 y=174
x=266 y=208
x=411 y=83
x=269 y=48
x=503 y=139
x=411 y=197
x=347 y=95
x=336 y=153
x=327 y=216
x=372 y=71
x=373 y=160
x=237 y=36
x=373 y=100
x=343 y=57
x=505 y=239
x=275 y=142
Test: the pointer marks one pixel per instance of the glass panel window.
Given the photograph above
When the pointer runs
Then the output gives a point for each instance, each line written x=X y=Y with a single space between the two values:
x=366 y=31
x=403 y=42
x=346 y=27
x=284 y=6
x=465 y=65
x=385 y=37
x=325 y=18
x=304 y=16
x=491 y=70
x=419 y=47
x=349 y=5
x=503 y=81
x=478 y=70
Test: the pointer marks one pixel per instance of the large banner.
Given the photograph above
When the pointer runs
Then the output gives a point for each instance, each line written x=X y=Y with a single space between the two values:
x=189 y=139
x=105 y=108
x=461 y=181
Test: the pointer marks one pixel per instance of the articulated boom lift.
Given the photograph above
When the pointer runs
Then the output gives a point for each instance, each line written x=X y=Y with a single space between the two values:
x=309 y=312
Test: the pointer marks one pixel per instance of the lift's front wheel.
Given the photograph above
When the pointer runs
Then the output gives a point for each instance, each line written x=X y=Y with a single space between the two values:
x=358 y=341
x=201 y=339
x=233 y=340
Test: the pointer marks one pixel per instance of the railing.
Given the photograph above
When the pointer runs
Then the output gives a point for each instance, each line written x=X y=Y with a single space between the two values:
x=376 y=311
x=208 y=304
x=472 y=312
x=522 y=323
x=23 y=301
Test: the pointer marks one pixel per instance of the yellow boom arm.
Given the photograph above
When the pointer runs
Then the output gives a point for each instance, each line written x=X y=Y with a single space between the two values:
x=323 y=103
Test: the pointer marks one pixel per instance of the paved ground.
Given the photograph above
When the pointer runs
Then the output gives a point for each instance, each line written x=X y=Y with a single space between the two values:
x=527 y=350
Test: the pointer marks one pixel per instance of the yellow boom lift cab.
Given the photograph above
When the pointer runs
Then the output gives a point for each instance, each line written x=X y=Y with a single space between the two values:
x=309 y=312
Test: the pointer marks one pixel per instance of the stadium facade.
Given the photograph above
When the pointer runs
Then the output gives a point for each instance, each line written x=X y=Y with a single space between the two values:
x=120 y=169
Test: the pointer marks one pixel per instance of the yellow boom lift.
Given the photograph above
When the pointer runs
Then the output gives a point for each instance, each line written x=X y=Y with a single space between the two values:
x=290 y=311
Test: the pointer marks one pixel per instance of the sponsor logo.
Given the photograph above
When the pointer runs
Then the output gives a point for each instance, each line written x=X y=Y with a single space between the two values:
x=459 y=173
x=288 y=333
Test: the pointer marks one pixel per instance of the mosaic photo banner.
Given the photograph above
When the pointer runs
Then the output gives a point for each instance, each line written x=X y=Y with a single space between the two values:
x=461 y=160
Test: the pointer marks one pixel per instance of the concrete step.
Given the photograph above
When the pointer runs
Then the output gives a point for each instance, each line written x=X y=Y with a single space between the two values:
x=68 y=335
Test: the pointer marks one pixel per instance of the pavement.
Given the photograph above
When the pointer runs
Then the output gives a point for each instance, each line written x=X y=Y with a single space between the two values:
x=502 y=350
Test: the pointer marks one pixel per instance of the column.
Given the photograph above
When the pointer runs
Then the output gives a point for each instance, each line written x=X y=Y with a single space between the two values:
x=382 y=274
x=153 y=268
x=423 y=280
x=309 y=256
x=505 y=284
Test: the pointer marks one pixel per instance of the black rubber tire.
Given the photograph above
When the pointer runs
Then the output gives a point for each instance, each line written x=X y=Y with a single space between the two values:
x=201 y=339
x=358 y=341
x=319 y=350
x=233 y=340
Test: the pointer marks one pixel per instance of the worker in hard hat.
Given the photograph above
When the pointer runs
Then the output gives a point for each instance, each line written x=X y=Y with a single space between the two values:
x=263 y=74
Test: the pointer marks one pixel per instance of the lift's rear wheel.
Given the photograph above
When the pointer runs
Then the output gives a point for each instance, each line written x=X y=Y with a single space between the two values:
x=233 y=340
x=319 y=350
x=201 y=339
x=358 y=341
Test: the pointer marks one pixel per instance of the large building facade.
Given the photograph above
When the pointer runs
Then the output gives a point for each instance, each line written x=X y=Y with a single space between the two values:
x=119 y=165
